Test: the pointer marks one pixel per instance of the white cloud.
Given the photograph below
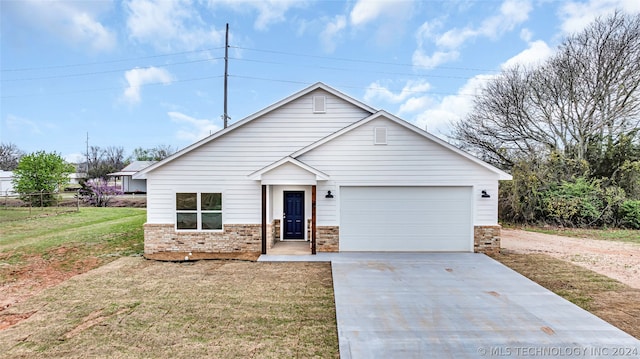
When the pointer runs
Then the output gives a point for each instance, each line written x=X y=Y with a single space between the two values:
x=192 y=129
x=137 y=78
x=365 y=11
x=577 y=15
x=74 y=22
x=537 y=52
x=170 y=25
x=511 y=14
x=388 y=16
x=269 y=11
x=377 y=91
x=455 y=37
x=421 y=59
x=415 y=104
x=437 y=114
x=331 y=32
x=526 y=35
x=452 y=108
x=20 y=123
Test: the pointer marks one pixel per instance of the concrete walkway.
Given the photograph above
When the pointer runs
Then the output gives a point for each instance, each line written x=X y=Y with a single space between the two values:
x=459 y=305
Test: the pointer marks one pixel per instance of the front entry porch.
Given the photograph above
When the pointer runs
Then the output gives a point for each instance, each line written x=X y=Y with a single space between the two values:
x=275 y=227
x=290 y=248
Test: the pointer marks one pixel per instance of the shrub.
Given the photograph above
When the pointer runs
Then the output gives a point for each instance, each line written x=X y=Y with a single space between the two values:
x=43 y=173
x=98 y=192
x=578 y=203
x=630 y=214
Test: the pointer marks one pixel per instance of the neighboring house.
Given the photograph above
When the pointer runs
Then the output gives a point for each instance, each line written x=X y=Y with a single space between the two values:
x=322 y=167
x=75 y=178
x=130 y=185
x=6 y=184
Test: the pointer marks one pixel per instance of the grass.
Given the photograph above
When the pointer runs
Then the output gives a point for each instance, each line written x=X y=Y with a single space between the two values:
x=607 y=298
x=136 y=308
x=97 y=230
x=622 y=235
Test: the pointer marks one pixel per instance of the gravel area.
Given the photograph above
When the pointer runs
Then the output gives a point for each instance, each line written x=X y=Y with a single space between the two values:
x=617 y=260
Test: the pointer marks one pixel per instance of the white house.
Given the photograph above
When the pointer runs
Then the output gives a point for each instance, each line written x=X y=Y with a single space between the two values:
x=320 y=166
x=130 y=185
x=6 y=184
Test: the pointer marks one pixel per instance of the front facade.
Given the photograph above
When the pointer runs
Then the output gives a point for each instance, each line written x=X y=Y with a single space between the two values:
x=321 y=167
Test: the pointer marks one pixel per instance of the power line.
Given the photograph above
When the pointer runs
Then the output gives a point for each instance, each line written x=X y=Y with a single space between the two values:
x=109 y=88
x=279 y=63
x=108 y=62
x=349 y=86
x=363 y=60
x=351 y=69
x=106 y=71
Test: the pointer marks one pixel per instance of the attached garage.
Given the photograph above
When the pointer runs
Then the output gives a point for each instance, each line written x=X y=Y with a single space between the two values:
x=403 y=219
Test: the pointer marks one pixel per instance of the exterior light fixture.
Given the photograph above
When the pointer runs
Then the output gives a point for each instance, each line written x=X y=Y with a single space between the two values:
x=329 y=195
x=485 y=194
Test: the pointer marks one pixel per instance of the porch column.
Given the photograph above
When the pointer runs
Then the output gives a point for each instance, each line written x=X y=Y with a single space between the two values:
x=264 y=219
x=313 y=219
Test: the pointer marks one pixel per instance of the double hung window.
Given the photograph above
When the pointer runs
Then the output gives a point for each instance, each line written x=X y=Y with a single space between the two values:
x=199 y=211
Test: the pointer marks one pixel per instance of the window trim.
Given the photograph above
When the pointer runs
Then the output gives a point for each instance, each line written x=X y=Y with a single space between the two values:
x=198 y=211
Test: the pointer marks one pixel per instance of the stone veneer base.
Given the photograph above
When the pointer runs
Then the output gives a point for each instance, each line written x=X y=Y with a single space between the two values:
x=248 y=238
x=234 y=238
x=486 y=239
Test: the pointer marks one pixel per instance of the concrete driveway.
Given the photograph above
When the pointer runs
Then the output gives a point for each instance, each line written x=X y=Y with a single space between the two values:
x=459 y=305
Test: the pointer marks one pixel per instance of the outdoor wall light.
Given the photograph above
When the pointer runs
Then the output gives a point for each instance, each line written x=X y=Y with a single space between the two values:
x=329 y=195
x=485 y=194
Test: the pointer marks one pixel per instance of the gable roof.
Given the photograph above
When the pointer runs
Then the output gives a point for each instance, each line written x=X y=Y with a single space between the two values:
x=502 y=175
x=319 y=174
x=132 y=168
x=291 y=98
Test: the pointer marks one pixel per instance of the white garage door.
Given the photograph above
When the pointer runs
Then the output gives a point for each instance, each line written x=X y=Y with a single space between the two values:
x=403 y=219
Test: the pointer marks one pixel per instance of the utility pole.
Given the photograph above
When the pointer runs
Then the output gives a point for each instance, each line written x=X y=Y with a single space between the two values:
x=225 y=116
x=87 y=157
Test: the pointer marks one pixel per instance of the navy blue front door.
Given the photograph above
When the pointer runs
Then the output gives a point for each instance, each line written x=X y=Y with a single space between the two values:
x=293 y=216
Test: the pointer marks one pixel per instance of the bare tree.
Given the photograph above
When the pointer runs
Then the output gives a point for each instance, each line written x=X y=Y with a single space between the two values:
x=582 y=99
x=157 y=153
x=104 y=161
x=10 y=156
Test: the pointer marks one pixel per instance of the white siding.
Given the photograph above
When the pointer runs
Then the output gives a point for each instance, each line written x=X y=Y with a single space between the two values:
x=224 y=164
x=290 y=174
x=406 y=160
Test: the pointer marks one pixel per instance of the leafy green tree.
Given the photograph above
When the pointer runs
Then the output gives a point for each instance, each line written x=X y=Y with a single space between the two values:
x=41 y=172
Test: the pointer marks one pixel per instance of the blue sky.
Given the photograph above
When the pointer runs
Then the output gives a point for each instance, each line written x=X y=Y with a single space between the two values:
x=141 y=73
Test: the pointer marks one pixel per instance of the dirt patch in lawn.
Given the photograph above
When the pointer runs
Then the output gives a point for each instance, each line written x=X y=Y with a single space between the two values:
x=615 y=302
x=34 y=275
x=618 y=260
x=137 y=308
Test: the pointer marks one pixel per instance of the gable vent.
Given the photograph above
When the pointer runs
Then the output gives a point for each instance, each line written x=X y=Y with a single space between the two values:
x=319 y=104
x=380 y=136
